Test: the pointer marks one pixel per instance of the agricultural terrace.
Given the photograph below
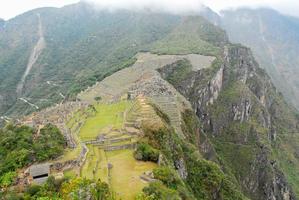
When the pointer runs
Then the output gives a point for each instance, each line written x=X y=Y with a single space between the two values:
x=107 y=117
x=111 y=146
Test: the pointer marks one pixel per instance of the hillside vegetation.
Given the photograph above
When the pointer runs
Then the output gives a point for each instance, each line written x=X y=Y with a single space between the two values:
x=151 y=107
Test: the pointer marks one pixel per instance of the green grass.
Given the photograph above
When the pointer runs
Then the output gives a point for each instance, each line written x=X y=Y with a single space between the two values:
x=288 y=161
x=126 y=173
x=95 y=166
x=70 y=174
x=71 y=154
x=237 y=157
x=107 y=116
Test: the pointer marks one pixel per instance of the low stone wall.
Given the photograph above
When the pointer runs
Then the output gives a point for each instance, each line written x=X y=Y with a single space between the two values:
x=102 y=142
x=120 y=147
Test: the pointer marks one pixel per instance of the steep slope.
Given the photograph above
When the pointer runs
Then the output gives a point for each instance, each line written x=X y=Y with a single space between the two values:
x=249 y=124
x=17 y=38
x=83 y=45
x=36 y=51
x=273 y=38
x=152 y=113
x=195 y=105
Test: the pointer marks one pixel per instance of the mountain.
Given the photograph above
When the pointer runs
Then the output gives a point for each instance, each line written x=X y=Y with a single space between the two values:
x=274 y=39
x=81 y=46
x=151 y=105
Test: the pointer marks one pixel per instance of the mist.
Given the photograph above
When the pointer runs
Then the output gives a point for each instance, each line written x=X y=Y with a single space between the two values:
x=168 y=6
x=288 y=7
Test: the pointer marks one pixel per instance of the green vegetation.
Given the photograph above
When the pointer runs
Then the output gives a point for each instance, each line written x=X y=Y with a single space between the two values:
x=7 y=179
x=205 y=179
x=167 y=176
x=179 y=71
x=79 y=54
x=108 y=116
x=63 y=189
x=126 y=172
x=145 y=152
x=20 y=146
x=158 y=191
x=82 y=188
x=124 y=176
x=189 y=37
x=95 y=166
x=98 y=98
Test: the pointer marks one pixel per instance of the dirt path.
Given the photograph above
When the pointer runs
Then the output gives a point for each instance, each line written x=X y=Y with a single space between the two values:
x=31 y=104
x=35 y=53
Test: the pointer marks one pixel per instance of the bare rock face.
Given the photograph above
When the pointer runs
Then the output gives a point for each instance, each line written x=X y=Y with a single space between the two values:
x=241 y=112
x=180 y=166
x=240 y=98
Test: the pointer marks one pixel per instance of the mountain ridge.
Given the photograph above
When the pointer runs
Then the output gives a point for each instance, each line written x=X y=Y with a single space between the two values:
x=273 y=39
x=199 y=109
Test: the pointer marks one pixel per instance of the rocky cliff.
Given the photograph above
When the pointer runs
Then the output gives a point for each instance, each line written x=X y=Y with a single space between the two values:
x=246 y=119
x=273 y=38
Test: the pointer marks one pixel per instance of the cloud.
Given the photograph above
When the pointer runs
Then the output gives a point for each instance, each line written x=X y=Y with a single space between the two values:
x=289 y=7
x=170 y=6
x=12 y=8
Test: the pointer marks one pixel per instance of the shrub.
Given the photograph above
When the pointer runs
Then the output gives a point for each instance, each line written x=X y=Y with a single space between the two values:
x=167 y=176
x=146 y=152
x=7 y=179
x=158 y=191
x=33 y=190
x=98 y=98
x=18 y=147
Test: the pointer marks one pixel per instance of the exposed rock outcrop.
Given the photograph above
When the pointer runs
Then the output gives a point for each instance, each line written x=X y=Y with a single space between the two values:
x=239 y=99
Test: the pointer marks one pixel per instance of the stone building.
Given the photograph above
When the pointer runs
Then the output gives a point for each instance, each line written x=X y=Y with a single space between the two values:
x=39 y=173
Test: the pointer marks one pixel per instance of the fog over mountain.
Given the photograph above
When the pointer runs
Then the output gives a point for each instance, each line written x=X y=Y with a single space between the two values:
x=102 y=101
x=289 y=7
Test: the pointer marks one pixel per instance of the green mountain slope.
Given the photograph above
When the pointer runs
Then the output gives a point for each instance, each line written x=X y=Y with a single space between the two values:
x=177 y=124
x=82 y=46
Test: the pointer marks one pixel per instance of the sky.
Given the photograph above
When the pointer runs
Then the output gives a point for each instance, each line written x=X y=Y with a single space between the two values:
x=11 y=8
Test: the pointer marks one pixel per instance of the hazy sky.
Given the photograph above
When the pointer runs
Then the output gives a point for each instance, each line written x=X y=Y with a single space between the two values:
x=11 y=8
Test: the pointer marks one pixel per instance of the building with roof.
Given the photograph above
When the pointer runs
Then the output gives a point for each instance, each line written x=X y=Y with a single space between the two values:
x=39 y=173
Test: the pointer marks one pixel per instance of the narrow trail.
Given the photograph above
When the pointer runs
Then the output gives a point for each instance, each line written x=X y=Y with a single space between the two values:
x=35 y=53
x=5 y=118
x=31 y=104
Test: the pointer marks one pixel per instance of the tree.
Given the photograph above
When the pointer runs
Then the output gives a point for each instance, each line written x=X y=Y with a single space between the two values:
x=7 y=179
x=101 y=191
x=98 y=98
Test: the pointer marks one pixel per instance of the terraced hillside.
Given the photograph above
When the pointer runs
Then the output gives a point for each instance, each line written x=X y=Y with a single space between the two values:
x=143 y=79
x=83 y=46
x=190 y=116
x=144 y=69
x=104 y=126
